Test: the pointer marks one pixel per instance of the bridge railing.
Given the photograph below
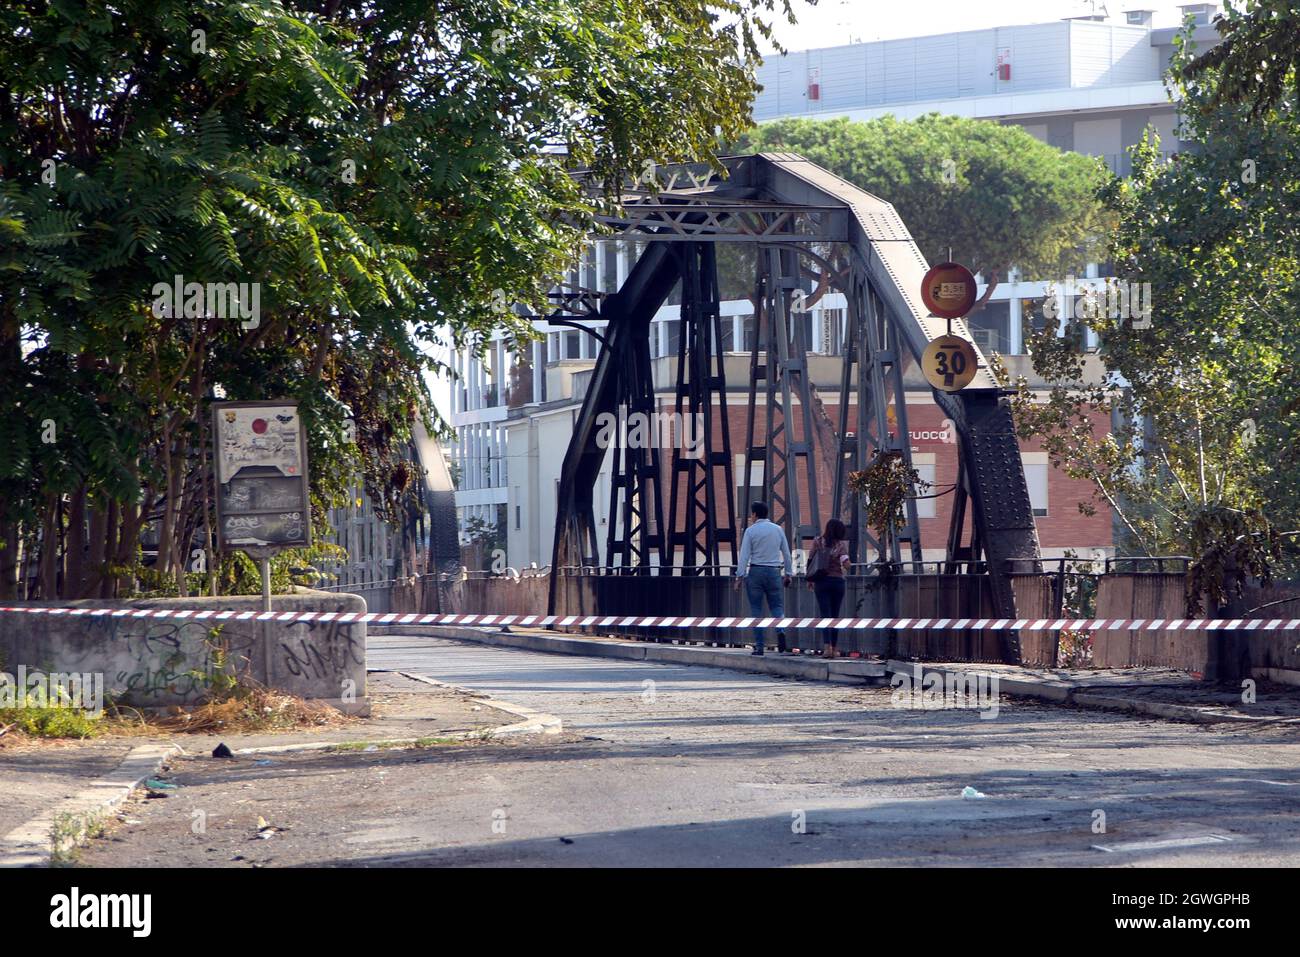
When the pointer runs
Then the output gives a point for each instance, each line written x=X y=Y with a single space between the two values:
x=893 y=590
x=1147 y=589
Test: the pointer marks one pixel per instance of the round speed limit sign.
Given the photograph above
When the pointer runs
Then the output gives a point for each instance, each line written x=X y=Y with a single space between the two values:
x=949 y=363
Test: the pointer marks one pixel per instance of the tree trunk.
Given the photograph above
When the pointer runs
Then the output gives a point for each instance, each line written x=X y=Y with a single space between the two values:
x=74 y=552
x=165 y=527
x=49 y=561
x=183 y=536
x=205 y=502
x=96 y=549
x=178 y=503
x=988 y=291
x=11 y=374
x=9 y=560
x=107 y=582
x=128 y=543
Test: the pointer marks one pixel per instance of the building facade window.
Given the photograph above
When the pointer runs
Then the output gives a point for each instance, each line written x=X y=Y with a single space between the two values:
x=989 y=327
x=756 y=493
x=832 y=331
x=1032 y=319
x=609 y=275
x=1036 y=472
x=926 y=504
x=674 y=330
x=728 y=341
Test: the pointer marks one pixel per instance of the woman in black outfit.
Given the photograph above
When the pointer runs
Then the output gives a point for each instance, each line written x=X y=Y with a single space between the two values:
x=829 y=585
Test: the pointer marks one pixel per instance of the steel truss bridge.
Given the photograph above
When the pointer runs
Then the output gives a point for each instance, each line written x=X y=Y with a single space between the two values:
x=812 y=233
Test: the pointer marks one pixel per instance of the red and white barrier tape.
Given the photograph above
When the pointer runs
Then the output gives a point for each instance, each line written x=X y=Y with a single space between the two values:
x=620 y=621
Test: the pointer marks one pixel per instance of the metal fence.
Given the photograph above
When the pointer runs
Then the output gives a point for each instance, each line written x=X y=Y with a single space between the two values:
x=1143 y=587
x=882 y=590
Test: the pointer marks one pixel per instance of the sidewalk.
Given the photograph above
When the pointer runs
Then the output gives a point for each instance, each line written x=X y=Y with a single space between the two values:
x=1157 y=692
x=70 y=784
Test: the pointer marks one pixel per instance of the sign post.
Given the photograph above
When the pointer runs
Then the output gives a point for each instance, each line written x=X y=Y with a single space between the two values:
x=263 y=557
x=263 y=504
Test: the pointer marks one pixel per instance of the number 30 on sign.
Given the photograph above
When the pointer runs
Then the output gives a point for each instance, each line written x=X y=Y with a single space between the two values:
x=949 y=363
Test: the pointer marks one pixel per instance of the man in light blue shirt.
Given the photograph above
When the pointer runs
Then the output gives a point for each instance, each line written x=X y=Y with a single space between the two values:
x=765 y=568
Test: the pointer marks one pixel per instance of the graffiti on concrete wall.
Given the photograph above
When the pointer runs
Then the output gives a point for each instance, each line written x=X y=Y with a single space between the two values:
x=173 y=659
x=327 y=651
x=151 y=661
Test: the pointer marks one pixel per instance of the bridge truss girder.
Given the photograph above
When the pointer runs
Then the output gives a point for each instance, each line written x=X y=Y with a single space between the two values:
x=792 y=213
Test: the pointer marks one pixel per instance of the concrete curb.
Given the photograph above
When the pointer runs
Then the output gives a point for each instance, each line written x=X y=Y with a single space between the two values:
x=505 y=731
x=1045 y=689
x=1166 y=709
x=534 y=722
x=841 y=670
x=33 y=844
x=1075 y=695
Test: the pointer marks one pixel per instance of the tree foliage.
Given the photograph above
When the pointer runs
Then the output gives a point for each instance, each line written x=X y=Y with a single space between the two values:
x=1256 y=61
x=994 y=194
x=885 y=486
x=389 y=173
x=1203 y=457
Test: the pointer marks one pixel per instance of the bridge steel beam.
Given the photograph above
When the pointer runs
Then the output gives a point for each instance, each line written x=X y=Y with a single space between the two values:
x=775 y=200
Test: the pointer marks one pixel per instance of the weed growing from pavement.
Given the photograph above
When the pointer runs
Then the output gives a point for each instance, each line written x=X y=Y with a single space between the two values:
x=69 y=832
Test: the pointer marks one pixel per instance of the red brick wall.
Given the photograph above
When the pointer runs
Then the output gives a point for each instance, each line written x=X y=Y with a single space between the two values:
x=1063 y=526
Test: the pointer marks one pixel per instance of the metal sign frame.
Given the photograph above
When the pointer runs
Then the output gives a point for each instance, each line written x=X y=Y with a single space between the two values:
x=220 y=427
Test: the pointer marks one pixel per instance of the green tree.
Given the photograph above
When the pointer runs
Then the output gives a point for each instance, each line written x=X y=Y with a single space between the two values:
x=1256 y=61
x=389 y=174
x=1203 y=457
x=994 y=194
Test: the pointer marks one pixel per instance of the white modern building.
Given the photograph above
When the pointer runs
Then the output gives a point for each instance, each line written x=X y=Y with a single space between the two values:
x=1092 y=84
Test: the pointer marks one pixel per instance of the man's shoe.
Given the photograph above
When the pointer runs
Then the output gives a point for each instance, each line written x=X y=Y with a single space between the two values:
x=757 y=651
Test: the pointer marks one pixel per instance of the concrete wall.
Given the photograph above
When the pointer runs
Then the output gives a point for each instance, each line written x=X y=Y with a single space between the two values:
x=943 y=66
x=1055 y=56
x=148 y=661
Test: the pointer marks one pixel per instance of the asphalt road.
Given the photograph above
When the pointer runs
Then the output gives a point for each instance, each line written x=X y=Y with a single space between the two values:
x=665 y=765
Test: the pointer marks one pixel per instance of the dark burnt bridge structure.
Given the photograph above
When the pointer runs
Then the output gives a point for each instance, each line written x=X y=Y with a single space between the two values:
x=672 y=512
